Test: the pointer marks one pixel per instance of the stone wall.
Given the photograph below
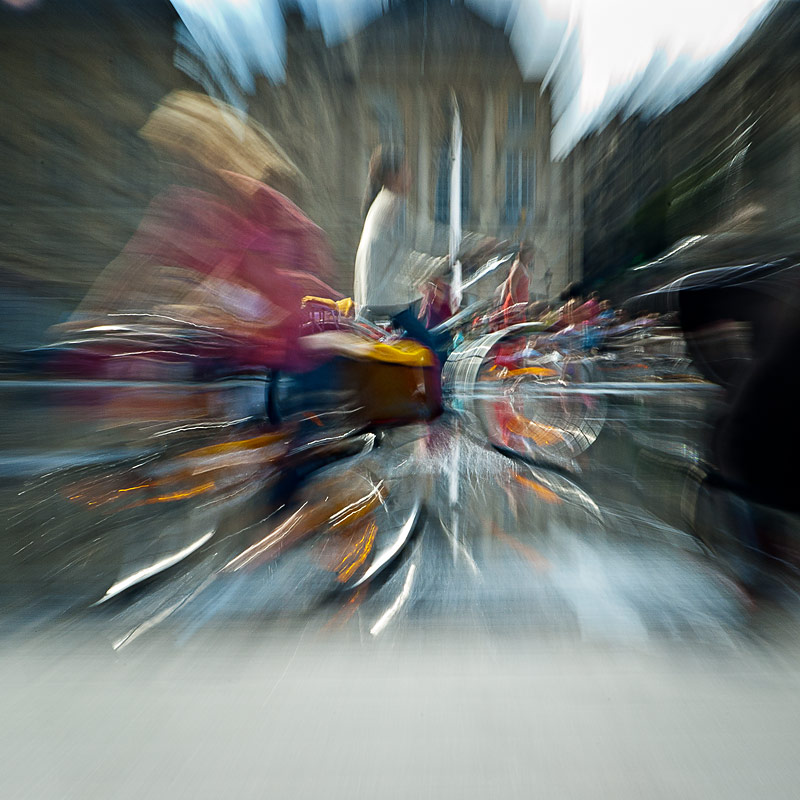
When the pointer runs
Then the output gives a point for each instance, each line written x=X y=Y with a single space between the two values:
x=328 y=117
x=79 y=80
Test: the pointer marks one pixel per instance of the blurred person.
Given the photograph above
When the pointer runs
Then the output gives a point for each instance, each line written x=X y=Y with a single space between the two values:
x=550 y=317
x=541 y=311
x=589 y=310
x=515 y=292
x=388 y=272
x=220 y=246
x=742 y=330
x=436 y=303
x=571 y=297
x=548 y=280
x=606 y=314
x=495 y=313
x=537 y=310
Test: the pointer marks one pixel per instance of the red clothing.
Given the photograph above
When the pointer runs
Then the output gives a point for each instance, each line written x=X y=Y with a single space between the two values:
x=436 y=304
x=255 y=250
x=517 y=295
x=588 y=311
x=250 y=236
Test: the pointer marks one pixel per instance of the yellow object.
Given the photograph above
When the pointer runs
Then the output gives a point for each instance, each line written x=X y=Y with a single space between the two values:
x=402 y=351
x=168 y=498
x=345 y=307
x=542 y=372
x=354 y=559
x=323 y=301
x=254 y=443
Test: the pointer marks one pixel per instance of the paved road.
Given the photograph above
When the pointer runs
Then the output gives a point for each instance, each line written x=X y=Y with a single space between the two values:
x=541 y=636
x=500 y=546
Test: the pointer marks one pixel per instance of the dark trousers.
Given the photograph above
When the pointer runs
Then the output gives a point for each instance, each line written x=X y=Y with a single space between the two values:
x=414 y=328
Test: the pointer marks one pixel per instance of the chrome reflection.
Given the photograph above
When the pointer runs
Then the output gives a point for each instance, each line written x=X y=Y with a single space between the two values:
x=154 y=569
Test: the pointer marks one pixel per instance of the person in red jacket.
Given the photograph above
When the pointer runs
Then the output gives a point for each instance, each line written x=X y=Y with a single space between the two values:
x=220 y=245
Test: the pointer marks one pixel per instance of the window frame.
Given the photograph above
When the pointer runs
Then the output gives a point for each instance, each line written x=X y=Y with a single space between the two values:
x=523 y=183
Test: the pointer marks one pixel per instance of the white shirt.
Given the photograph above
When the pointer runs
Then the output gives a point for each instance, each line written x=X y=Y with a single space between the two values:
x=388 y=272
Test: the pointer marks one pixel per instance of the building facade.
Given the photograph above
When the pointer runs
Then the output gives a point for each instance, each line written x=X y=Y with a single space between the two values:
x=724 y=161
x=83 y=75
x=395 y=81
x=80 y=78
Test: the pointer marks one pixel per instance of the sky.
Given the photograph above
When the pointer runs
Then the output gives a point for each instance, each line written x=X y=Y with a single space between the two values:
x=592 y=52
x=619 y=37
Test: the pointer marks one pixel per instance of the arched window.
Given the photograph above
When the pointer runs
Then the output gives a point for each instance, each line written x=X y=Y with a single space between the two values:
x=442 y=204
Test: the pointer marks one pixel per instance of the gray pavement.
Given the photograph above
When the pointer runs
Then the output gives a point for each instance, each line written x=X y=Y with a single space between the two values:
x=254 y=711
x=541 y=636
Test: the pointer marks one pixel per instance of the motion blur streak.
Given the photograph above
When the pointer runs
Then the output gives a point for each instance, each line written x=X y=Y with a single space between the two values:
x=360 y=550
x=399 y=398
x=541 y=491
x=381 y=624
x=263 y=547
x=154 y=569
x=359 y=508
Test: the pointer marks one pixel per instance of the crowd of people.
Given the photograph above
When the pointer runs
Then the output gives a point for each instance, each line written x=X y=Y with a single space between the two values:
x=578 y=317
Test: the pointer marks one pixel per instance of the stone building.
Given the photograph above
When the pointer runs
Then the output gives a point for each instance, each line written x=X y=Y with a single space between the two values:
x=81 y=77
x=724 y=161
x=394 y=81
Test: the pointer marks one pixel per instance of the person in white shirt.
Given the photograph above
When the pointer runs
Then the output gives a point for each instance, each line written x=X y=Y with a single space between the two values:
x=389 y=274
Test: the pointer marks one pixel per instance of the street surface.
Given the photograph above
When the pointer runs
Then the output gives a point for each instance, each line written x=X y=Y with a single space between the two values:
x=540 y=636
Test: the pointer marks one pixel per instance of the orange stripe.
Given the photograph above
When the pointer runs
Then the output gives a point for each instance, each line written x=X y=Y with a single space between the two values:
x=542 y=491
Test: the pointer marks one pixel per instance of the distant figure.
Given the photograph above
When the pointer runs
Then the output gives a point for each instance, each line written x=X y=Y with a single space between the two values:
x=606 y=314
x=571 y=298
x=436 y=303
x=589 y=310
x=389 y=274
x=548 y=281
x=515 y=293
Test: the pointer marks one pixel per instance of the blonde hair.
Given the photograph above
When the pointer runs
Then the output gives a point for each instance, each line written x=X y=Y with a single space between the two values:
x=195 y=130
